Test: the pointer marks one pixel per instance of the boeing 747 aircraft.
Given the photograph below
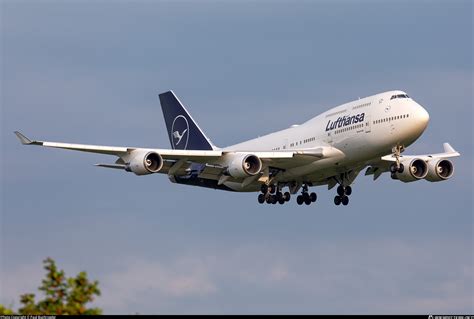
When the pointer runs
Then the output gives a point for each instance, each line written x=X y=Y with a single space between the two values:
x=330 y=149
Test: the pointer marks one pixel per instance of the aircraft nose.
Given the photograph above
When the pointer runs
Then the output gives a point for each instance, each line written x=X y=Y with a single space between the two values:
x=422 y=117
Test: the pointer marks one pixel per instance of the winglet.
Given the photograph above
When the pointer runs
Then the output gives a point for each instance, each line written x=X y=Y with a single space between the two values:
x=448 y=148
x=23 y=139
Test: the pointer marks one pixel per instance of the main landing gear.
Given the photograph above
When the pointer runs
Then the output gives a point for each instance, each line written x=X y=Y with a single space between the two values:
x=342 y=196
x=306 y=197
x=272 y=194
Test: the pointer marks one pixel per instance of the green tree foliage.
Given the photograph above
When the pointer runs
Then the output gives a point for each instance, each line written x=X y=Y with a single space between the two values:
x=5 y=311
x=62 y=296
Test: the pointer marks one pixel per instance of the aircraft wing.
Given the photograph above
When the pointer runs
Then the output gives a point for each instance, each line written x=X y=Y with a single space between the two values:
x=176 y=161
x=383 y=165
x=449 y=151
x=117 y=151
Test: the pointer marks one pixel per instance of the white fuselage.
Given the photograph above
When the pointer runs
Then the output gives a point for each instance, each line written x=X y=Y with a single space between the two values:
x=363 y=130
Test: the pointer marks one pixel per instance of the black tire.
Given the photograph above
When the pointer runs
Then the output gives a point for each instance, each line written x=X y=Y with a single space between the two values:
x=401 y=168
x=348 y=190
x=345 y=200
x=279 y=195
x=272 y=189
x=264 y=188
x=299 y=200
x=308 y=201
x=281 y=201
x=274 y=199
x=340 y=190
x=313 y=197
x=261 y=198
x=269 y=199
x=393 y=168
x=306 y=196
x=393 y=175
x=337 y=200
x=287 y=196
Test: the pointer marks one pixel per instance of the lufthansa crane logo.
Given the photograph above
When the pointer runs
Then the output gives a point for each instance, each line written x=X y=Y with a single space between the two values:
x=180 y=132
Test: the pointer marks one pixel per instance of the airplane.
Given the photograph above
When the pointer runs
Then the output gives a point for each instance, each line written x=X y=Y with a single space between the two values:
x=330 y=149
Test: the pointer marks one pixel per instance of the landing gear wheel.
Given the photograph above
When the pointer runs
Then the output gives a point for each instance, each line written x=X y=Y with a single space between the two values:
x=337 y=200
x=272 y=189
x=348 y=190
x=313 y=197
x=287 y=196
x=299 y=200
x=345 y=200
x=401 y=168
x=393 y=168
x=274 y=199
x=261 y=198
x=281 y=201
x=279 y=195
x=269 y=199
x=340 y=190
x=306 y=197
x=264 y=188
x=307 y=200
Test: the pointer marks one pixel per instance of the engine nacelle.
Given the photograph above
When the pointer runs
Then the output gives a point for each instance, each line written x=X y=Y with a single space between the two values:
x=145 y=163
x=244 y=165
x=439 y=170
x=413 y=170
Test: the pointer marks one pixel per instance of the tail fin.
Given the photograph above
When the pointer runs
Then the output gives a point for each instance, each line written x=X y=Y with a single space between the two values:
x=184 y=133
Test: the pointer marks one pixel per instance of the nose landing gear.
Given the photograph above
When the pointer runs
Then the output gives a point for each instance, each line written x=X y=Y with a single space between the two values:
x=396 y=167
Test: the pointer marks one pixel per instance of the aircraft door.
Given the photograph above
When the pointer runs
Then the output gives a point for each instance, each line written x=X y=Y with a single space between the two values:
x=328 y=138
x=367 y=125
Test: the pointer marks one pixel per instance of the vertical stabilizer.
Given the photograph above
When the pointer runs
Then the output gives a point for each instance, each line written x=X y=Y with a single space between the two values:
x=183 y=131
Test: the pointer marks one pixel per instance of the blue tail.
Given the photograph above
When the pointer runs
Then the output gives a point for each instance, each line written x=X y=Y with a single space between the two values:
x=183 y=131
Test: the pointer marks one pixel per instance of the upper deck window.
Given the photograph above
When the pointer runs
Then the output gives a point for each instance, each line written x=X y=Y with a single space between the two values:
x=399 y=96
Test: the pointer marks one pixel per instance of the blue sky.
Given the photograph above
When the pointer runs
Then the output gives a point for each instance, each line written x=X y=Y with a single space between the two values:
x=90 y=72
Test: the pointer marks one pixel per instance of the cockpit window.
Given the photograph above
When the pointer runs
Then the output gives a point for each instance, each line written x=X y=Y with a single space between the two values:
x=399 y=96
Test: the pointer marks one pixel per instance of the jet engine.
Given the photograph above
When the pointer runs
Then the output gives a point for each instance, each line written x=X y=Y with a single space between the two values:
x=413 y=170
x=439 y=170
x=145 y=163
x=244 y=165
